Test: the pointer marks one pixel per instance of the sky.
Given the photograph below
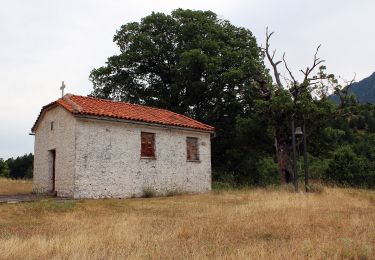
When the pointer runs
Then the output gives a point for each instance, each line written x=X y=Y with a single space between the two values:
x=44 y=42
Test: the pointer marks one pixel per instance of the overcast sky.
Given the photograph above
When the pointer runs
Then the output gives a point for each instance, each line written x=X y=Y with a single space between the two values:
x=45 y=42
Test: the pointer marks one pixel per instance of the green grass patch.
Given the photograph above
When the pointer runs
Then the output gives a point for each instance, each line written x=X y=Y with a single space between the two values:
x=52 y=205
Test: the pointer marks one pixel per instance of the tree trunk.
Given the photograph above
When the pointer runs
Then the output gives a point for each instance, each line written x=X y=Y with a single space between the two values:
x=283 y=160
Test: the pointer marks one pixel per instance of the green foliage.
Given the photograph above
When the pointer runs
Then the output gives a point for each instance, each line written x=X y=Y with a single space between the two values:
x=190 y=62
x=222 y=176
x=21 y=167
x=371 y=124
x=268 y=172
x=52 y=205
x=350 y=169
x=4 y=169
x=193 y=63
x=218 y=185
x=250 y=142
x=148 y=192
x=317 y=167
x=363 y=90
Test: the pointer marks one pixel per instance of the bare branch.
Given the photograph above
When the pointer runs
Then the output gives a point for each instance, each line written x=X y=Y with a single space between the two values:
x=273 y=53
x=350 y=83
x=287 y=80
x=343 y=91
x=316 y=62
x=271 y=57
x=287 y=68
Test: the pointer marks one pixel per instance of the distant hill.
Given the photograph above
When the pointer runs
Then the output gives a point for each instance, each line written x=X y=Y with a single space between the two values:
x=364 y=90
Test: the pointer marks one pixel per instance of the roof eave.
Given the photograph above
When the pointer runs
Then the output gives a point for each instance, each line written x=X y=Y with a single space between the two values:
x=41 y=115
x=43 y=112
x=136 y=122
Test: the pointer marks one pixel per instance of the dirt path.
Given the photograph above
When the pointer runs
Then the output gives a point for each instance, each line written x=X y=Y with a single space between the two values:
x=17 y=198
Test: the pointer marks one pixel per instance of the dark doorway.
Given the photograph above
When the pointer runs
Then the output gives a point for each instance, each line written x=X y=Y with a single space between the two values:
x=52 y=169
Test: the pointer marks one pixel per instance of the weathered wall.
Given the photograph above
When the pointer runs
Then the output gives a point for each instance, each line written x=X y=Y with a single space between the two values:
x=62 y=139
x=109 y=163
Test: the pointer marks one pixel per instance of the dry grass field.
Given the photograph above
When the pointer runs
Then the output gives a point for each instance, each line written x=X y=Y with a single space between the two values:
x=234 y=224
x=8 y=186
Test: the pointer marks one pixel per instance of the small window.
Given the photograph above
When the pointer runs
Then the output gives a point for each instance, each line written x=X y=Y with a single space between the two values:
x=192 y=149
x=51 y=125
x=147 y=145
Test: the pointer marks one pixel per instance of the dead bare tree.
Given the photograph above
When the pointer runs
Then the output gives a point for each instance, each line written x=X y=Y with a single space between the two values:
x=343 y=93
x=296 y=89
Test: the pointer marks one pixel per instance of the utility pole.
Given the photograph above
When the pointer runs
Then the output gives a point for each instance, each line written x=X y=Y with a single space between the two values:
x=295 y=173
x=305 y=162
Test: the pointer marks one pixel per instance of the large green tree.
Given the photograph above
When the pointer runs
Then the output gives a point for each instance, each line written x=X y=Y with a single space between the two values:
x=190 y=62
x=4 y=169
x=21 y=167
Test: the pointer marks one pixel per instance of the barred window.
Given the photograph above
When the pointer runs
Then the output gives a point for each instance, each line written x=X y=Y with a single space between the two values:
x=192 y=149
x=147 y=144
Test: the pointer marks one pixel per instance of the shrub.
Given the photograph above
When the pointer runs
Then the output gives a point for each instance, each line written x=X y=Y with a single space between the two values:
x=316 y=188
x=221 y=176
x=268 y=172
x=218 y=185
x=148 y=192
x=317 y=167
x=4 y=169
x=349 y=169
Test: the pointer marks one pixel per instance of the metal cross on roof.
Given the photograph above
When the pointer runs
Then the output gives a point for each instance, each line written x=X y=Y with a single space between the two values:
x=62 y=88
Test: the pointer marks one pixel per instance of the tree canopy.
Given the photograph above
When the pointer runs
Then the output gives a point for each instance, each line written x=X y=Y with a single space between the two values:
x=190 y=62
x=20 y=167
x=193 y=63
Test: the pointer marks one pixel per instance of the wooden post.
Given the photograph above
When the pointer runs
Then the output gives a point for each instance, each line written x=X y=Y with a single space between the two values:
x=306 y=163
x=295 y=173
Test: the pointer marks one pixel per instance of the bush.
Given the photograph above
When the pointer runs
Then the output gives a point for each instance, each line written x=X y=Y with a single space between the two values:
x=317 y=167
x=349 y=169
x=148 y=192
x=218 y=185
x=268 y=172
x=220 y=176
x=316 y=188
x=4 y=169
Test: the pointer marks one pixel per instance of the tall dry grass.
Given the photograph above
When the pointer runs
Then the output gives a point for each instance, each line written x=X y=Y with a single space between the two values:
x=235 y=224
x=9 y=186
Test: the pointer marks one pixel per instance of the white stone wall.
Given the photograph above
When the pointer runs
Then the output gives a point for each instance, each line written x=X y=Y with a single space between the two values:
x=109 y=163
x=62 y=139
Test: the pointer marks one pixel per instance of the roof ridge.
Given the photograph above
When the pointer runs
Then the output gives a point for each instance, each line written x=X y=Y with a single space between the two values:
x=75 y=106
x=150 y=107
x=123 y=102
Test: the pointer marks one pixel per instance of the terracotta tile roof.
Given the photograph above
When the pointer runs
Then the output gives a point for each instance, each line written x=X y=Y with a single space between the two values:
x=80 y=105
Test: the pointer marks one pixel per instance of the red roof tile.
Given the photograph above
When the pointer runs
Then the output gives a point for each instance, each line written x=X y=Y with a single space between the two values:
x=80 y=105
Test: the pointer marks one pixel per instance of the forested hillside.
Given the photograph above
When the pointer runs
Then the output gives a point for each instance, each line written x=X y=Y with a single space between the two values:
x=364 y=90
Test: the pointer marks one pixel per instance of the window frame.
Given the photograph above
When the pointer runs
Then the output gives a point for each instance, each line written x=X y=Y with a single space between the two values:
x=197 y=159
x=146 y=156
